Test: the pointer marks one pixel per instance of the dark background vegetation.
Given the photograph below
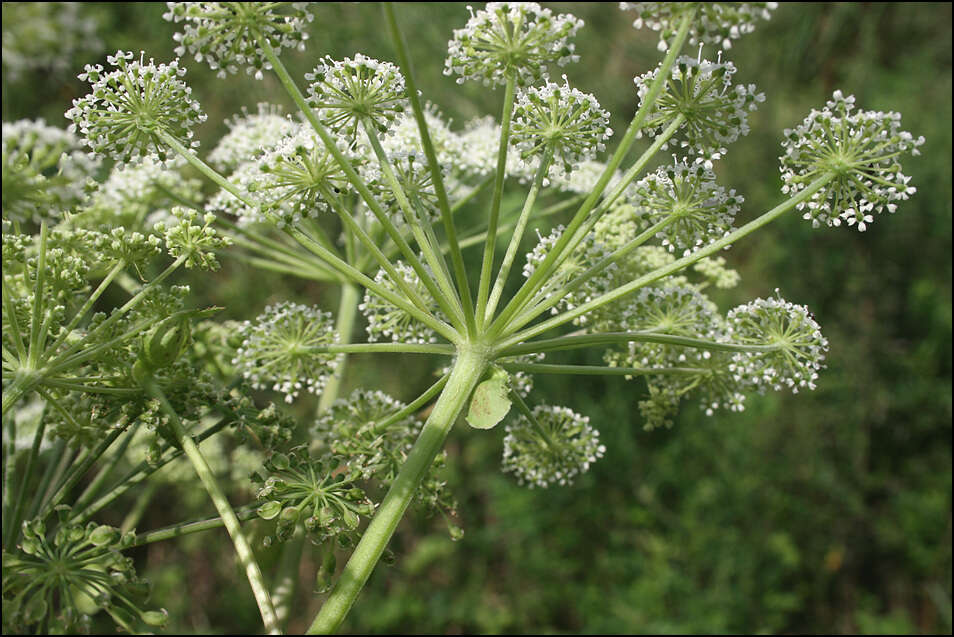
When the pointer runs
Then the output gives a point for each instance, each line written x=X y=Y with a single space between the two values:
x=827 y=511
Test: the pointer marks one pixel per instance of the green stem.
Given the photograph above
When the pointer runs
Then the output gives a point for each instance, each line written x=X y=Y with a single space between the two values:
x=271 y=248
x=9 y=313
x=347 y=310
x=542 y=273
x=517 y=235
x=313 y=246
x=483 y=288
x=594 y=370
x=289 y=84
x=551 y=295
x=22 y=384
x=675 y=266
x=116 y=269
x=356 y=230
x=186 y=528
x=508 y=323
x=139 y=507
x=380 y=348
x=579 y=341
x=138 y=475
x=466 y=373
x=68 y=354
x=13 y=528
x=437 y=176
x=77 y=472
x=33 y=354
x=412 y=407
x=231 y=522
x=90 y=492
x=444 y=293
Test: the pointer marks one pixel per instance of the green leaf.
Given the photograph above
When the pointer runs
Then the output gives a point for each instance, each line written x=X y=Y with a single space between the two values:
x=490 y=402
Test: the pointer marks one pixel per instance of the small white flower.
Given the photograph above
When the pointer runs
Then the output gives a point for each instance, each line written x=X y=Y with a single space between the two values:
x=861 y=150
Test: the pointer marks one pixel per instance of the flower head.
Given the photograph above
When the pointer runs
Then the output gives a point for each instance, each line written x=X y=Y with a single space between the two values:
x=715 y=113
x=363 y=429
x=252 y=134
x=295 y=173
x=139 y=194
x=300 y=488
x=46 y=36
x=554 y=448
x=561 y=120
x=225 y=34
x=386 y=321
x=504 y=38
x=717 y=22
x=130 y=105
x=279 y=349
x=45 y=170
x=860 y=151
x=792 y=330
x=347 y=92
x=700 y=210
x=50 y=572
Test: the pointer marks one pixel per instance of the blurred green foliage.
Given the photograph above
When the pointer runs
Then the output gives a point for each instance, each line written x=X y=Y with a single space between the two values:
x=821 y=512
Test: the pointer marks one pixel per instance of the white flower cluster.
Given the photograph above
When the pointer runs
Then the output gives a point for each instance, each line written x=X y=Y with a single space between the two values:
x=561 y=120
x=250 y=135
x=128 y=105
x=278 y=349
x=386 y=321
x=584 y=176
x=714 y=269
x=225 y=34
x=716 y=22
x=404 y=136
x=45 y=171
x=46 y=36
x=247 y=179
x=588 y=253
x=715 y=112
x=412 y=173
x=294 y=174
x=860 y=150
x=792 y=330
x=554 y=449
x=700 y=211
x=141 y=193
x=481 y=138
x=347 y=92
x=286 y=183
x=511 y=38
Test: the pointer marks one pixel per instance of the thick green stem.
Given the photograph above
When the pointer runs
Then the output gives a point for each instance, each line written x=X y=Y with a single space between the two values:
x=466 y=373
x=232 y=524
x=483 y=289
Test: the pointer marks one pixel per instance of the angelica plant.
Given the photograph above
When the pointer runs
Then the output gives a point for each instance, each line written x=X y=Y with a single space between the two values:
x=363 y=189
